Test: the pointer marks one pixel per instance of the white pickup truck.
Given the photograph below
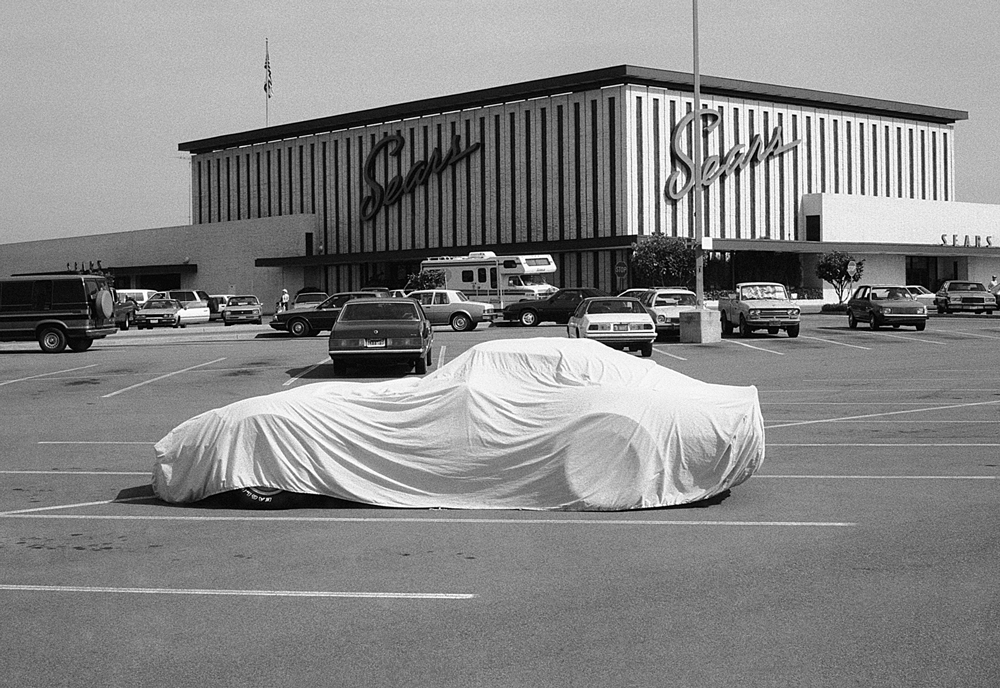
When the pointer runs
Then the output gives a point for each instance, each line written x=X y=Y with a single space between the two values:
x=759 y=306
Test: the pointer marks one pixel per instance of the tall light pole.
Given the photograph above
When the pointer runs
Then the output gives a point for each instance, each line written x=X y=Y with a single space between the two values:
x=696 y=205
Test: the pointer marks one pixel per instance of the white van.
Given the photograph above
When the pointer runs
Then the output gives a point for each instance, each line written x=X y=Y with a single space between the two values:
x=140 y=296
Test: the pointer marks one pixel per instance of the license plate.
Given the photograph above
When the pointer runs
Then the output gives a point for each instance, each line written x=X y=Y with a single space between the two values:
x=773 y=323
x=154 y=320
x=374 y=343
x=621 y=328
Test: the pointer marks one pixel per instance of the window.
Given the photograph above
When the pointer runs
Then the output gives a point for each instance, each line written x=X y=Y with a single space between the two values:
x=480 y=275
x=440 y=298
x=467 y=275
x=813 y=228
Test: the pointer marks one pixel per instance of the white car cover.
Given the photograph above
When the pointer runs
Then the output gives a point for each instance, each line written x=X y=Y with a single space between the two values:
x=540 y=423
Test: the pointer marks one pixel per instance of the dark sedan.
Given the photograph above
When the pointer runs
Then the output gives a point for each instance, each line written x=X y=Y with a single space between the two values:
x=556 y=308
x=310 y=320
x=381 y=331
x=885 y=306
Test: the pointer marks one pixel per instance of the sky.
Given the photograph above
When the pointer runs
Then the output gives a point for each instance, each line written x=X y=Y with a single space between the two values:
x=97 y=94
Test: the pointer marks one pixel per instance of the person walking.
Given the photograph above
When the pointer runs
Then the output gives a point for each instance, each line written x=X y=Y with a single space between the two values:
x=284 y=299
x=992 y=286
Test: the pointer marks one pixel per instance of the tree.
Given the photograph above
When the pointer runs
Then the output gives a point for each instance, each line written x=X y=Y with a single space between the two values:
x=832 y=268
x=659 y=260
x=426 y=279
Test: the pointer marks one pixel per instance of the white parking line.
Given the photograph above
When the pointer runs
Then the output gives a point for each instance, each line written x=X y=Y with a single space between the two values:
x=832 y=341
x=661 y=351
x=241 y=593
x=882 y=477
x=970 y=334
x=305 y=372
x=83 y=442
x=61 y=473
x=441 y=356
x=885 y=413
x=58 y=372
x=161 y=377
x=750 y=346
x=911 y=339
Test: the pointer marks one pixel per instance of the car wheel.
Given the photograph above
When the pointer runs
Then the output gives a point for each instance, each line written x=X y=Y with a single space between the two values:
x=264 y=498
x=52 y=340
x=340 y=368
x=80 y=345
x=258 y=321
x=420 y=366
x=460 y=322
x=646 y=350
x=921 y=326
x=852 y=322
x=727 y=327
x=428 y=358
x=772 y=330
x=128 y=322
x=873 y=321
x=793 y=331
x=745 y=330
x=299 y=327
x=528 y=318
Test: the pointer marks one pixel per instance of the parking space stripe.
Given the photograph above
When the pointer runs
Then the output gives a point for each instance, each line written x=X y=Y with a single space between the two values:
x=58 y=372
x=94 y=442
x=970 y=334
x=162 y=377
x=911 y=339
x=73 y=473
x=461 y=521
x=750 y=346
x=885 y=413
x=880 y=477
x=305 y=372
x=241 y=593
x=832 y=341
x=661 y=351
x=441 y=356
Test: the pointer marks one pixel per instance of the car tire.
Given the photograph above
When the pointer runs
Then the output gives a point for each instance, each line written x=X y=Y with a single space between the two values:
x=773 y=330
x=104 y=304
x=264 y=498
x=528 y=318
x=920 y=326
x=646 y=350
x=793 y=331
x=80 y=345
x=873 y=321
x=745 y=330
x=299 y=327
x=428 y=358
x=127 y=323
x=460 y=322
x=420 y=366
x=258 y=321
x=852 y=322
x=340 y=368
x=52 y=340
x=727 y=327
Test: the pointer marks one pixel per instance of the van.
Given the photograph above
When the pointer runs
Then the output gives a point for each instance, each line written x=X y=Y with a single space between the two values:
x=57 y=311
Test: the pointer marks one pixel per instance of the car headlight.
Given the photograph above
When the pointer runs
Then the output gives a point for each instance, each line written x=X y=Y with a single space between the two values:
x=921 y=310
x=754 y=313
x=661 y=318
x=794 y=312
x=887 y=311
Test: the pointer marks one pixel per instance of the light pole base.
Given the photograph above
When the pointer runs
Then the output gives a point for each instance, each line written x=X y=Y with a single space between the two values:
x=700 y=327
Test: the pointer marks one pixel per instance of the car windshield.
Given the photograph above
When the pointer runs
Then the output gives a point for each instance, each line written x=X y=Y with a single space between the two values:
x=615 y=306
x=354 y=312
x=763 y=291
x=309 y=298
x=920 y=290
x=243 y=301
x=890 y=293
x=676 y=300
x=160 y=303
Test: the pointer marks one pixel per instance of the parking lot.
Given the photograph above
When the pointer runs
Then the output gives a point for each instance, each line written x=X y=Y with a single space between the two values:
x=864 y=552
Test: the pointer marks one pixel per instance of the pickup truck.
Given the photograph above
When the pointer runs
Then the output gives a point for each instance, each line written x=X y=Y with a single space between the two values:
x=759 y=306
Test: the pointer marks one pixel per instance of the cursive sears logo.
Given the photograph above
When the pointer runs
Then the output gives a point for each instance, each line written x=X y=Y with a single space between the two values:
x=418 y=174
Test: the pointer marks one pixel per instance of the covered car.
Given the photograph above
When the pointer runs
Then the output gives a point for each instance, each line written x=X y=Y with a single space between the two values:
x=544 y=423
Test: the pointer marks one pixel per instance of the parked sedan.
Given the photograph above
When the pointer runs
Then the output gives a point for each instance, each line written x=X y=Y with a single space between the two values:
x=891 y=305
x=309 y=299
x=194 y=305
x=621 y=323
x=381 y=331
x=452 y=307
x=306 y=321
x=556 y=308
x=666 y=305
x=159 y=313
x=239 y=309
x=960 y=295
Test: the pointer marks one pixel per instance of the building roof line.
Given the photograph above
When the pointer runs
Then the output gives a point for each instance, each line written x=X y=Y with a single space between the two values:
x=572 y=83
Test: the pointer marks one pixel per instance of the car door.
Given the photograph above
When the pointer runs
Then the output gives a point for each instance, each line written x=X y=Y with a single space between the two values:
x=561 y=305
x=324 y=317
x=432 y=303
x=858 y=304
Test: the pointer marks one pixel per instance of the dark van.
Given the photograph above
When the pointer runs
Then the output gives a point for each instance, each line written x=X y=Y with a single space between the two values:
x=56 y=311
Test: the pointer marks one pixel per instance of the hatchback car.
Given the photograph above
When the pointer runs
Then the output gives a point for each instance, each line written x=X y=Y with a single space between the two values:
x=666 y=304
x=885 y=305
x=306 y=321
x=452 y=307
x=961 y=295
x=381 y=331
x=621 y=323
x=159 y=313
x=241 y=309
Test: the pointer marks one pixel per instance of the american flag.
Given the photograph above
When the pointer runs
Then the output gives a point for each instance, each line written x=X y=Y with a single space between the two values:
x=267 y=71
